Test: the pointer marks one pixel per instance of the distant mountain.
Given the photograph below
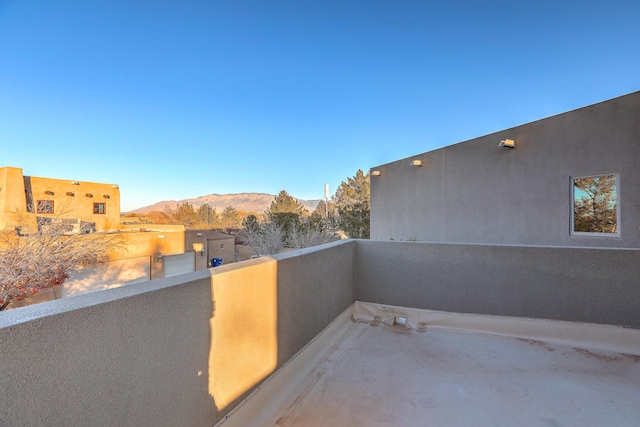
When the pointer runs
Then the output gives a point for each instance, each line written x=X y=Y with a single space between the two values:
x=251 y=202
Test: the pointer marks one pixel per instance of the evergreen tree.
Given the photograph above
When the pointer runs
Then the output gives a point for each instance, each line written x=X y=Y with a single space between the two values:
x=285 y=212
x=285 y=203
x=230 y=218
x=184 y=214
x=352 y=201
x=208 y=216
x=324 y=217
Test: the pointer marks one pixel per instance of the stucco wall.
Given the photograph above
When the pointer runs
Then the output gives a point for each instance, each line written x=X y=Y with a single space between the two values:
x=13 y=204
x=221 y=245
x=573 y=284
x=477 y=192
x=180 y=351
x=185 y=350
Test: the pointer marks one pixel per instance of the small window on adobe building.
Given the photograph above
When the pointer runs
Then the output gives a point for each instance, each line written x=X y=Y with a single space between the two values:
x=44 y=207
x=100 y=208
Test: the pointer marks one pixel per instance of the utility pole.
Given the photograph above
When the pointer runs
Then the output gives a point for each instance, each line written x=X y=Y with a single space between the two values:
x=326 y=200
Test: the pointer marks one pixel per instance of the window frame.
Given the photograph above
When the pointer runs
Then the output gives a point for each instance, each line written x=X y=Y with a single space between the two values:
x=47 y=202
x=96 y=208
x=572 y=229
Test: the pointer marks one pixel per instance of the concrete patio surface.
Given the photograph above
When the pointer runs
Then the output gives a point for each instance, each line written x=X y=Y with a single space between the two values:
x=386 y=375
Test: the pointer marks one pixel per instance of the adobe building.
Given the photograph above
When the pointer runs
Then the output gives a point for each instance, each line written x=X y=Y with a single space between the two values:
x=519 y=186
x=87 y=205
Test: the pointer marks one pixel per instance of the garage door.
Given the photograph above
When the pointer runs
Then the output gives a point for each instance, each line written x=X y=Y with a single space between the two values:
x=179 y=264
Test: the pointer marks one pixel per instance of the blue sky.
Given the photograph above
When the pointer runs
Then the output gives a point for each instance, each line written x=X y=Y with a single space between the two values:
x=178 y=99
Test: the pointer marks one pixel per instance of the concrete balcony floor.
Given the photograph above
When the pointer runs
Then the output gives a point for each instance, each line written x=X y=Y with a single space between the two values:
x=385 y=375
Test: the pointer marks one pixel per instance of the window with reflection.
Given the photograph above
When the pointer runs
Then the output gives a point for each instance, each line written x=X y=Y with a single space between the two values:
x=595 y=204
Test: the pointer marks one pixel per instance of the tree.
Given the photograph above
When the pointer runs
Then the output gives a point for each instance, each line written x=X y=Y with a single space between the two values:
x=251 y=223
x=230 y=218
x=184 y=214
x=309 y=235
x=352 y=202
x=157 y=217
x=284 y=203
x=265 y=239
x=208 y=216
x=44 y=255
x=285 y=211
x=323 y=214
x=595 y=207
x=283 y=228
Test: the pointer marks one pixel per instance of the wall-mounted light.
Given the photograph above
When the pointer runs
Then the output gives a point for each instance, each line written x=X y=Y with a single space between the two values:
x=89 y=195
x=162 y=236
x=106 y=196
x=199 y=234
x=69 y=193
x=203 y=252
x=416 y=163
x=49 y=192
x=507 y=143
x=375 y=173
x=160 y=257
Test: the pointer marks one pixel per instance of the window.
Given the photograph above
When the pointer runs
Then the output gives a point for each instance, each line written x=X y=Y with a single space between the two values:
x=595 y=205
x=44 y=207
x=100 y=208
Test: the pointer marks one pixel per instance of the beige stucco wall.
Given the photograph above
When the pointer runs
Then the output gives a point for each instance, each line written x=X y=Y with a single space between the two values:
x=244 y=252
x=221 y=245
x=13 y=204
x=186 y=349
x=180 y=351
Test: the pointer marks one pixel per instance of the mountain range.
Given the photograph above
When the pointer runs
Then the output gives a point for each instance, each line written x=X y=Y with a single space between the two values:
x=250 y=202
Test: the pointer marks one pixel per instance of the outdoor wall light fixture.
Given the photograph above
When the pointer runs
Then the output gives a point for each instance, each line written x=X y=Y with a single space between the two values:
x=507 y=143
x=203 y=252
x=160 y=257
x=199 y=234
x=49 y=192
x=162 y=236
x=375 y=173
x=416 y=163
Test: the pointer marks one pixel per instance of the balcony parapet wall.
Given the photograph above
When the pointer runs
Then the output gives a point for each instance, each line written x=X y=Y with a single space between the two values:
x=593 y=285
x=180 y=351
x=186 y=350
